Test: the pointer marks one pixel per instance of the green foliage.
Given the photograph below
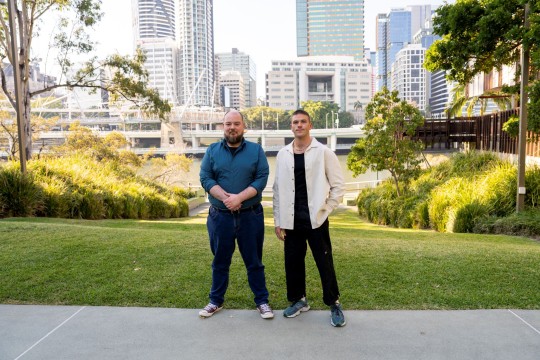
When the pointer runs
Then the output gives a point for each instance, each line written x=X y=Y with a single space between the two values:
x=387 y=144
x=479 y=36
x=254 y=118
x=19 y=195
x=525 y=223
x=321 y=113
x=80 y=186
x=512 y=126
x=454 y=196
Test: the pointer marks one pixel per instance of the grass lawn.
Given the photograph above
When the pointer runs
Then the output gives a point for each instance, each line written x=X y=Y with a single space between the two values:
x=167 y=264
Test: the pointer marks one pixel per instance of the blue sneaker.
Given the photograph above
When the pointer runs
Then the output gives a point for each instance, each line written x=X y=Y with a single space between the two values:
x=296 y=308
x=337 y=318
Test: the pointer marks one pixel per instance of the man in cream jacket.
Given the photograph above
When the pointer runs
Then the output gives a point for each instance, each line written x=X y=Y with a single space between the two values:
x=308 y=186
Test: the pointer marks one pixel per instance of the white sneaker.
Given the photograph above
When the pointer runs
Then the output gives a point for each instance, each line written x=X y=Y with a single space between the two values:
x=266 y=311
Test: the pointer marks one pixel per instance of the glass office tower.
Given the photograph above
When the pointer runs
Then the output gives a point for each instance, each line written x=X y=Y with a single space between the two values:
x=330 y=27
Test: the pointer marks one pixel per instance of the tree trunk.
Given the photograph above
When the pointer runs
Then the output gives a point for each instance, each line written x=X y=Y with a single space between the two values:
x=26 y=118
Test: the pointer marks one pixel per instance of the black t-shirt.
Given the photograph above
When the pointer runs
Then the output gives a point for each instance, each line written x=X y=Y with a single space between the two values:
x=301 y=210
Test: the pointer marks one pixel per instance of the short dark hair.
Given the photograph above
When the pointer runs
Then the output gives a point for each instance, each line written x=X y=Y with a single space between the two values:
x=302 y=112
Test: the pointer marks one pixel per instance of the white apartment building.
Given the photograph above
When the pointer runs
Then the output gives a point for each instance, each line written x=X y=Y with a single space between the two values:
x=177 y=38
x=155 y=33
x=338 y=79
x=234 y=82
x=243 y=63
x=409 y=77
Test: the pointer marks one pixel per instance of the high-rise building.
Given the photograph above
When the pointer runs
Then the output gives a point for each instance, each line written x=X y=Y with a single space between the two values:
x=155 y=33
x=177 y=38
x=243 y=63
x=196 y=52
x=394 y=31
x=409 y=77
x=381 y=34
x=330 y=27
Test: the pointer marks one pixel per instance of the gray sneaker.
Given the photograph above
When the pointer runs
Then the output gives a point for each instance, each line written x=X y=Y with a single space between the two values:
x=210 y=310
x=296 y=308
x=266 y=311
x=337 y=318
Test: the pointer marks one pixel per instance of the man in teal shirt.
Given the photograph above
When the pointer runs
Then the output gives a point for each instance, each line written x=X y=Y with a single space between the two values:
x=234 y=172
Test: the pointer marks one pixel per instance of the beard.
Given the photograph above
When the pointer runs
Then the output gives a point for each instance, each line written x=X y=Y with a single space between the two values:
x=234 y=139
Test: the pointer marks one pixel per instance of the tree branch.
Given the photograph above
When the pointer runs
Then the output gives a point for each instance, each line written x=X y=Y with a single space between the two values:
x=5 y=89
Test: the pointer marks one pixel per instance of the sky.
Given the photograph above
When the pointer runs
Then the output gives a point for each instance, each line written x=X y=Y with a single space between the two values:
x=263 y=29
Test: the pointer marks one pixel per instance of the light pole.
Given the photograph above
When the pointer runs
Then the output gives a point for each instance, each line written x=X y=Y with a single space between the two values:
x=277 y=121
x=522 y=141
x=332 y=119
x=326 y=126
x=16 y=82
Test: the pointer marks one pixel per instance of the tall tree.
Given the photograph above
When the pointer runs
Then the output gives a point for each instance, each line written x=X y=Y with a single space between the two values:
x=481 y=35
x=321 y=113
x=257 y=115
x=124 y=77
x=387 y=143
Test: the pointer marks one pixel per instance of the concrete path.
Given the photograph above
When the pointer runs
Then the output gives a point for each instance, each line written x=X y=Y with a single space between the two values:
x=70 y=332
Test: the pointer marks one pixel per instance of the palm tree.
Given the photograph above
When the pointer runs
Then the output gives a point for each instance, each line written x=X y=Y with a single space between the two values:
x=460 y=99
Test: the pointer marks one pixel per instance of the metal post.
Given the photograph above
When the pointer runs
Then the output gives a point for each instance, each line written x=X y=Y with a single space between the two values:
x=17 y=84
x=522 y=156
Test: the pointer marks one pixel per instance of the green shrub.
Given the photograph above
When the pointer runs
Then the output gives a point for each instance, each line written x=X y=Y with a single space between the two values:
x=526 y=223
x=498 y=189
x=532 y=183
x=19 y=195
x=463 y=194
x=81 y=187
x=512 y=126
x=466 y=216
x=421 y=215
x=56 y=199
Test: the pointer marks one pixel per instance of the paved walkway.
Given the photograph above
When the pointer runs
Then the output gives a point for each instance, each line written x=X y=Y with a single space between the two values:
x=71 y=332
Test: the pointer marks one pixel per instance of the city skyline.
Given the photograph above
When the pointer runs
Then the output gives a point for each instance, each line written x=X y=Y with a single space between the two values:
x=274 y=36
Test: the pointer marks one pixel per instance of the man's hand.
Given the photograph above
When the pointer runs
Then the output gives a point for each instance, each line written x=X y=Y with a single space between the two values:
x=280 y=233
x=233 y=202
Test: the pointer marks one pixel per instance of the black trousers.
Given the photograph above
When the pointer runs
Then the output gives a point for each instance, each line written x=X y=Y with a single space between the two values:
x=295 y=268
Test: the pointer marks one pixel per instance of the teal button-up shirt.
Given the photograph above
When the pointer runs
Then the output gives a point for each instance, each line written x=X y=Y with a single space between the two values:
x=248 y=166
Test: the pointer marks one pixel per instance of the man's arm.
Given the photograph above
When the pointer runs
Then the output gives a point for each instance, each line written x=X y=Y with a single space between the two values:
x=335 y=179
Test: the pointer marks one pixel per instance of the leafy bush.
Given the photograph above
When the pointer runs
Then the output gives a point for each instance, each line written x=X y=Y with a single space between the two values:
x=512 y=126
x=459 y=195
x=80 y=186
x=19 y=195
x=532 y=183
x=526 y=223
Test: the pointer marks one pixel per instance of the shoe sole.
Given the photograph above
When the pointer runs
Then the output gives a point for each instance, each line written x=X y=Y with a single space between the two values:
x=334 y=325
x=206 y=315
x=267 y=317
x=304 y=309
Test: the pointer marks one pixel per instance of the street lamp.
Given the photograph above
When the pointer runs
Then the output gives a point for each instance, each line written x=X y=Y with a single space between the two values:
x=326 y=126
x=16 y=82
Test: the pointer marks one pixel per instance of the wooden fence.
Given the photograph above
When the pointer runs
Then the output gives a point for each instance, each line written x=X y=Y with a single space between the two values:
x=479 y=132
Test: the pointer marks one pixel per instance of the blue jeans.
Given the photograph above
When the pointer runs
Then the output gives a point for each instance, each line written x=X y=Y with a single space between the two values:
x=247 y=227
